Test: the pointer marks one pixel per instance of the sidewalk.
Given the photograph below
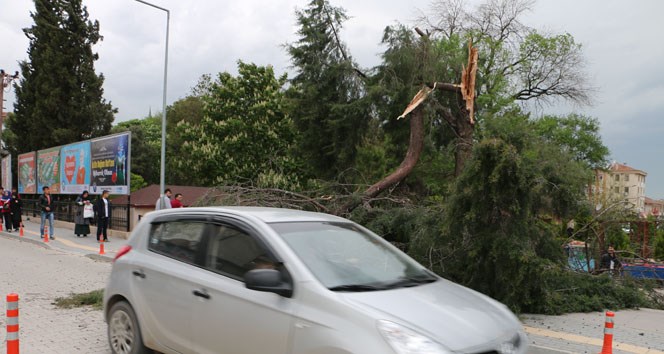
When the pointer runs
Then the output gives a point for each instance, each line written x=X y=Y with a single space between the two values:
x=66 y=240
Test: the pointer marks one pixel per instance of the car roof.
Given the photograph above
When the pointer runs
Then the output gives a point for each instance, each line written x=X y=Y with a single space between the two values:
x=267 y=215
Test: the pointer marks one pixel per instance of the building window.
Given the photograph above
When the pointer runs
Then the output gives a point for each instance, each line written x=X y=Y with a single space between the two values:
x=616 y=177
x=617 y=189
x=626 y=190
x=626 y=178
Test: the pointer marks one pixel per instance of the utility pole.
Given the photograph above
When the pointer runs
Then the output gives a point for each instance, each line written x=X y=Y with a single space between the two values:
x=5 y=83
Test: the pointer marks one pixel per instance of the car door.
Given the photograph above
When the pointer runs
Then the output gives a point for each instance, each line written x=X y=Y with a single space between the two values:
x=164 y=282
x=234 y=319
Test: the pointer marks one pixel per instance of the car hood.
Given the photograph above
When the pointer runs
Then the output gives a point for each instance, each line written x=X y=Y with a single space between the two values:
x=455 y=316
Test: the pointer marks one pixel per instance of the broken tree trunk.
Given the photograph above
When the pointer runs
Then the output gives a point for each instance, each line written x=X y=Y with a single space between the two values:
x=463 y=125
x=412 y=155
x=415 y=146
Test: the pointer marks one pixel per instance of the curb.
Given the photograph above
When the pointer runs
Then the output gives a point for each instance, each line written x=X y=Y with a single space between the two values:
x=42 y=244
x=9 y=236
x=538 y=349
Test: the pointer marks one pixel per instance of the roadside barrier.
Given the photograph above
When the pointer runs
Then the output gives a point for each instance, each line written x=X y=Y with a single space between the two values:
x=607 y=348
x=45 y=234
x=101 y=247
x=12 y=324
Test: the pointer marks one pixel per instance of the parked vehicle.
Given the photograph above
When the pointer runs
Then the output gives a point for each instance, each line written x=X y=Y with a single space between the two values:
x=234 y=280
x=641 y=268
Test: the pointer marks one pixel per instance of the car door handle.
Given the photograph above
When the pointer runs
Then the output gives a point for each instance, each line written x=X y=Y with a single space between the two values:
x=202 y=293
x=139 y=273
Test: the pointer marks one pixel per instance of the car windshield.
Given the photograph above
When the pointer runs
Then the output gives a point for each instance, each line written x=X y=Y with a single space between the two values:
x=345 y=257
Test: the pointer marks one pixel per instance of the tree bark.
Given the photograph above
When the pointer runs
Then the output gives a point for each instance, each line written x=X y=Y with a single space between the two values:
x=461 y=124
x=415 y=146
x=464 y=141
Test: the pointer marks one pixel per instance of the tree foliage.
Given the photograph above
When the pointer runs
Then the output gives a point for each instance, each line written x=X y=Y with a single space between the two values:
x=496 y=236
x=145 y=146
x=516 y=61
x=245 y=135
x=326 y=92
x=189 y=110
x=578 y=135
x=59 y=99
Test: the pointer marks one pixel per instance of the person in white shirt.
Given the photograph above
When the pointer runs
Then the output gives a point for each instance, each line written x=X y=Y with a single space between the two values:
x=165 y=198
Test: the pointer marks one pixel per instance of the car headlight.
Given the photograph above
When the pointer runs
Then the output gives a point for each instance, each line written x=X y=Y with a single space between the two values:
x=406 y=341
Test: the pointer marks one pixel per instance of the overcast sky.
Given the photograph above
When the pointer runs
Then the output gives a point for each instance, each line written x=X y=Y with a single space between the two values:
x=621 y=39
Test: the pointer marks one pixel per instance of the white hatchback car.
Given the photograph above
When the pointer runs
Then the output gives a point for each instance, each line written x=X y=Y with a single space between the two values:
x=244 y=280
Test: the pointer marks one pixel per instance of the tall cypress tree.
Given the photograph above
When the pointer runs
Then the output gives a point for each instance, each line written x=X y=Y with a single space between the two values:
x=327 y=92
x=59 y=99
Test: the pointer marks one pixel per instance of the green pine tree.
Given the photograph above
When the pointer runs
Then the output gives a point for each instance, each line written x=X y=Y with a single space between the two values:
x=331 y=113
x=59 y=99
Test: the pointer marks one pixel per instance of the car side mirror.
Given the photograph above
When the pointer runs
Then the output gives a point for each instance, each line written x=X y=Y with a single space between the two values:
x=268 y=280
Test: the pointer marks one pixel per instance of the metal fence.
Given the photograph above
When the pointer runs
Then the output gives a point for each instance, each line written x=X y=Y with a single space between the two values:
x=66 y=209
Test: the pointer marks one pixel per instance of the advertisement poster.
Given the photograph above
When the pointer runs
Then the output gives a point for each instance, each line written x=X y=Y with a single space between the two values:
x=27 y=171
x=48 y=169
x=75 y=168
x=110 y=164
x=7 y=172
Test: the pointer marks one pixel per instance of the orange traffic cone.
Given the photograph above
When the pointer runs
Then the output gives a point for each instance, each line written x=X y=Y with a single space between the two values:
x=0 y=226
x=101 y=247
x=20 y=231
x=45 y=234
x=607 y=348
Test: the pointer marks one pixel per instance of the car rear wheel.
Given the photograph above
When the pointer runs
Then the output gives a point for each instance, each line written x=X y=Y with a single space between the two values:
x=124 y=335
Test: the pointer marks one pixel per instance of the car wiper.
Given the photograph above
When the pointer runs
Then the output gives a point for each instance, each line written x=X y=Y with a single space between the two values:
x=356 y=287
x=405 y=282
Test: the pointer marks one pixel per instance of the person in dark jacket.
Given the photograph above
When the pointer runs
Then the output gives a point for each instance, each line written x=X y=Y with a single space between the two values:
x=46 y=205
x=16 y=209
x=82 y=221
x=6 y=200
x=103 y=209
x=609 y=260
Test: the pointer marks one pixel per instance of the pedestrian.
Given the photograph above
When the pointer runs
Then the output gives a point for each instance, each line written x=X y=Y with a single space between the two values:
x=84 y=214
x=571 y=224
x=103 y=209
x=6 y=201
x=46 y=205
x=610 y=261
x=165 y=199
x=16 y=209
x=177 y=201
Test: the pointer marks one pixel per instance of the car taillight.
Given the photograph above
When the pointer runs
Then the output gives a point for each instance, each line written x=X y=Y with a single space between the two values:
x=124 y=250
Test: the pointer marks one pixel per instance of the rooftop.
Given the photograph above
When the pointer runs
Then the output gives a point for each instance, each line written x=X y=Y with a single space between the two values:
x=617 y=167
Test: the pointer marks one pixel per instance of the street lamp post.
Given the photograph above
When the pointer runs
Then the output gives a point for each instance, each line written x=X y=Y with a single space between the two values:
x=162 y=176
x=5 y=82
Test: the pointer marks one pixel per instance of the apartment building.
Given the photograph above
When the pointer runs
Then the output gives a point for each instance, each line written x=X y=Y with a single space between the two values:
x=620 y=182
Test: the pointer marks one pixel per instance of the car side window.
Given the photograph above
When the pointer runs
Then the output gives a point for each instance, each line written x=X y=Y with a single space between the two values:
x=177 y=239
x=233 y=252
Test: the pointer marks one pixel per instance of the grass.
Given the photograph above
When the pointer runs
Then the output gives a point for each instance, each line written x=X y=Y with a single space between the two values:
x=93 y=298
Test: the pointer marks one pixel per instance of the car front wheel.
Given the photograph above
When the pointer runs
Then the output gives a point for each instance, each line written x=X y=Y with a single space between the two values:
x=124 y=335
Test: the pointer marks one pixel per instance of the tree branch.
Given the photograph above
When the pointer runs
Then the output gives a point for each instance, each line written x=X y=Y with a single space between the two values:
x=340 y=46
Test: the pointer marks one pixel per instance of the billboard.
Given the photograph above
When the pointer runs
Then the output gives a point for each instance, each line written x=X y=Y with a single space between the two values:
x=27 y=172
x=110 y=164
x=48 y=169
x=75 y=168
x=7 y=172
